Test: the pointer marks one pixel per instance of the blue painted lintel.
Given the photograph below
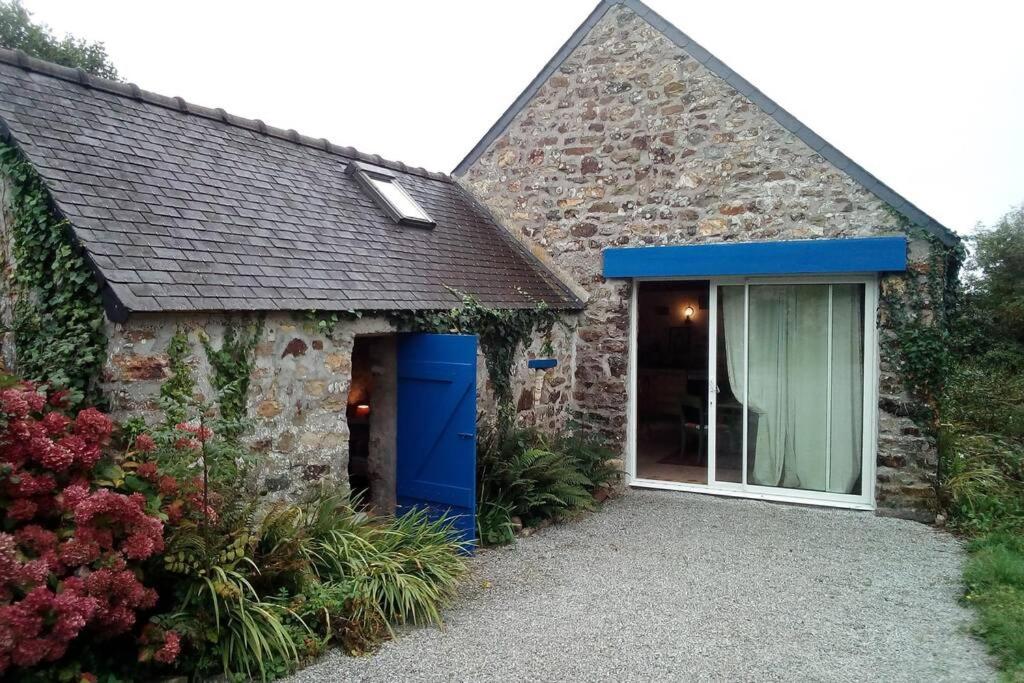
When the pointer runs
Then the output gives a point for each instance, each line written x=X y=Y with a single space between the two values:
x=794 y=257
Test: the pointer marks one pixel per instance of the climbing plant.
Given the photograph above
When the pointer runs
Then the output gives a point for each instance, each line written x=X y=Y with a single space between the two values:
x=918 y=314
x=501 y=332
x=232 y=366
x=177 y=391
x=57 y=313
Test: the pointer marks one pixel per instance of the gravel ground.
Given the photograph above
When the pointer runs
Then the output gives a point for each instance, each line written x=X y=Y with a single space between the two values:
x=663 y=585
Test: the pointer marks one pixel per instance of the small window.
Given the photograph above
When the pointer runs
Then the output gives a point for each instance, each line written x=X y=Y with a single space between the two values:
x=385 y=189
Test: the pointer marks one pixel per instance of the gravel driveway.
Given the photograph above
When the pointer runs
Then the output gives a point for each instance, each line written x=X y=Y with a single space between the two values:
x=663 y=585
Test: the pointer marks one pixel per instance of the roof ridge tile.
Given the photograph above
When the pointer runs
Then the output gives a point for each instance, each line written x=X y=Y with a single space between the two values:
x=22 y=60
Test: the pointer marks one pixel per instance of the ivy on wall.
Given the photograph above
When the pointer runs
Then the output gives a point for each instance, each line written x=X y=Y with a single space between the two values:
x=178 y=390
x=57 y=315
x=232 y=365
x=501 y=333
x=918 y=314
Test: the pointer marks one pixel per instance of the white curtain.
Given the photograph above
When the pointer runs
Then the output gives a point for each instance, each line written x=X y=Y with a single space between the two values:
x=787 y=382
x=847 y=387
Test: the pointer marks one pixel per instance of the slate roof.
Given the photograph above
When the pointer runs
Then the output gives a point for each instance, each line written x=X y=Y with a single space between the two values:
x=184 y=208
x=844 y=163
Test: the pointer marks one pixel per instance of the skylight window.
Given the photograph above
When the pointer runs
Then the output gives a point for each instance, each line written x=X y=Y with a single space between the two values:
x=383 y=186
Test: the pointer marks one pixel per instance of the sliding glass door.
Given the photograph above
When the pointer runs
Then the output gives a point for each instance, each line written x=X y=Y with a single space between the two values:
x=788 y=396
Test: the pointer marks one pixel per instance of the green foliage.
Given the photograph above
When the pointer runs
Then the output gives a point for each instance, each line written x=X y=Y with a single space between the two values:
x=232 y=366
x=982 y=437
x=177 y=391
x=58 y=316
x=501 y=333
x=995 y=587
x=245 y=631
x=259 y=594
x=998 y=286
x=591 y=453
x=919 y=313
x=494 y=523
x=521 y=473
x=19 y=32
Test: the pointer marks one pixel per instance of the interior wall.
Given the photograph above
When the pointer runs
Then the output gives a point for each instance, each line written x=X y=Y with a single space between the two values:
x=667 y=338
x=672 y=349
x=375 y=384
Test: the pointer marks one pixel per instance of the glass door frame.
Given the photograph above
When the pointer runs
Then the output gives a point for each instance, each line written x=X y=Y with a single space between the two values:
x=869 y=441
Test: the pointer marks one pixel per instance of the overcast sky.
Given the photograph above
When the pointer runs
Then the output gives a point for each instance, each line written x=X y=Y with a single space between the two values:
x=928 y=96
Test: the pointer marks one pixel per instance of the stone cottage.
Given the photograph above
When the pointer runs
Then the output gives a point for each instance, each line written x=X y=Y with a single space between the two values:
x=733 y=285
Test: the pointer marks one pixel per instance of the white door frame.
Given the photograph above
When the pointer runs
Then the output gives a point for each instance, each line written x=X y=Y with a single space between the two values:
x=865 y=501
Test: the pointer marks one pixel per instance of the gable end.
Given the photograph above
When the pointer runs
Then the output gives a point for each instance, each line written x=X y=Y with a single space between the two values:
x=855 y=171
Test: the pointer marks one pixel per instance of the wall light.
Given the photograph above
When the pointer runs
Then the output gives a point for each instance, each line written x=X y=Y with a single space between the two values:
x=362 y=410
x=688 y=312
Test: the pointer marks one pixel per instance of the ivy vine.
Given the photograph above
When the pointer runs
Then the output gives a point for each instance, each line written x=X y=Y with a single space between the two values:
x=178 y=390
x=232 y=365
x=57 y=314
x=919 y=317
x=501 y=333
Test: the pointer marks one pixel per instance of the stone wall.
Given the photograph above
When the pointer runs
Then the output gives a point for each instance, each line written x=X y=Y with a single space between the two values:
x=7 y=295
x=632 y=142
x=297 y=400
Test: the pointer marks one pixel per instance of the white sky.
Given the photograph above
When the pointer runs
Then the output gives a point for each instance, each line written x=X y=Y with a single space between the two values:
x=928 y=96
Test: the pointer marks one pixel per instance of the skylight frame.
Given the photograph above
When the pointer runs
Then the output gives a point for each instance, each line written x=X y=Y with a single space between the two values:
x=368 y=176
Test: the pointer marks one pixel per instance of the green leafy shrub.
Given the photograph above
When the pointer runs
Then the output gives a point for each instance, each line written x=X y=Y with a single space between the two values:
x=982 y=437
x=522 y=473
x=995 y=586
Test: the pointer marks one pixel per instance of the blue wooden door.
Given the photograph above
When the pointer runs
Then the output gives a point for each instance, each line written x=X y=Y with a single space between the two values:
x=436 y=459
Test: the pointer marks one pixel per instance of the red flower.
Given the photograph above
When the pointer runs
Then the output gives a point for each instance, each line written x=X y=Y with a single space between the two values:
x=21 y=510
x=171 y=648
x=186 y=444
x=144 y=443
x=73 y=495
x=59 y=399
x=93 y=425
x=55 y=424
x=12 y=402
x=85 y=453
x=148 y=471
x=201 y=432
x=36 y=539
x=53 y=456
x=168 y=486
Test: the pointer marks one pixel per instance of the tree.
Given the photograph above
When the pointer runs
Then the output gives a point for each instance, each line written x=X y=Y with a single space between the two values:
x=19 y=32
x=999 y=283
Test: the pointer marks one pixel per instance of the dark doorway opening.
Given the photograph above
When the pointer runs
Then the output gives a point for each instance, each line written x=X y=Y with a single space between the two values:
x=672 y=381
x=371 y=413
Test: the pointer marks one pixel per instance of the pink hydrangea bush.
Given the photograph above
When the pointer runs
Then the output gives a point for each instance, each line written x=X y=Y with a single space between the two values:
x=70 y=544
